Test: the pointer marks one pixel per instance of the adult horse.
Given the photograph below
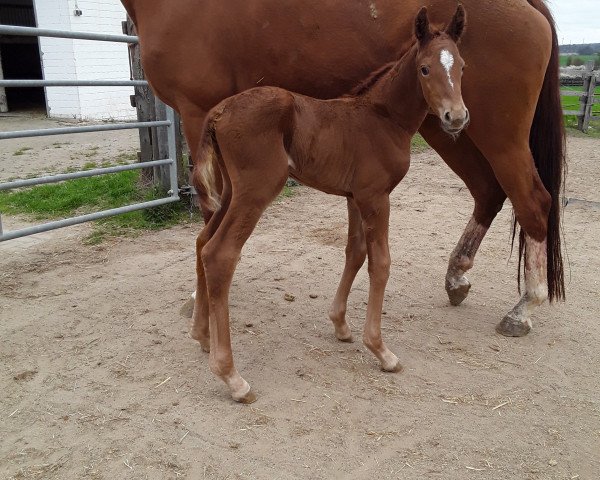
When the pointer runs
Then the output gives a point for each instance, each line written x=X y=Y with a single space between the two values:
x=197 y=52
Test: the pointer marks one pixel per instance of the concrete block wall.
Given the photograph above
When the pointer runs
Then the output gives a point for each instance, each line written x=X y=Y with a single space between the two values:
x=85 y=60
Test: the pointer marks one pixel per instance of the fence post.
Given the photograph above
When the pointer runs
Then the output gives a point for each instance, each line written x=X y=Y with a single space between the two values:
x=153 y=141
x=587 y=99
x=3 y=102
x=143 y=101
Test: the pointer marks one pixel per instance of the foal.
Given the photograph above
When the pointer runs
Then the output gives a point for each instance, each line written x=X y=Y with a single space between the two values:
x=357 y=147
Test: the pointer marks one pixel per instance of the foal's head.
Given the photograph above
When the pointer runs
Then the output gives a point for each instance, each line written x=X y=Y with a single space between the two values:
x=440 y=69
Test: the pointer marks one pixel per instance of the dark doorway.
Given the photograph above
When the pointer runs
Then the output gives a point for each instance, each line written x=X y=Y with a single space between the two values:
x=20 y=56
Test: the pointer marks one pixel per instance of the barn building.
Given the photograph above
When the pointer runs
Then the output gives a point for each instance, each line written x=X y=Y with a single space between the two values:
x=66 y=59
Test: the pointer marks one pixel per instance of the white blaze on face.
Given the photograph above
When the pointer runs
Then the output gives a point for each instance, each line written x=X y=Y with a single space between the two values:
x=447 y=61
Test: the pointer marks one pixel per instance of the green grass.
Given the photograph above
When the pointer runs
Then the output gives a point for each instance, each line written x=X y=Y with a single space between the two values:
x=584 y=59
x=572 y=103
x=21 y=151
x=87 y=195
x=418 y=144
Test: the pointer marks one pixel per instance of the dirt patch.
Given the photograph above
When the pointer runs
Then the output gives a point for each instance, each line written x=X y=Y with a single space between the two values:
x=100 y=380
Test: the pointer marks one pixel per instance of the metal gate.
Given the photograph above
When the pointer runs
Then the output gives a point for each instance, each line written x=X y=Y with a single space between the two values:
x=173 y=193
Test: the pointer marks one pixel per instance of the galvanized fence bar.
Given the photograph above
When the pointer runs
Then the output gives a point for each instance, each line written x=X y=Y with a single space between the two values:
x=170 y=123
x=172 y=142
x=73 y=83
x=84 y=218
x=30 y=182
x=42 y=32
x=92 y=128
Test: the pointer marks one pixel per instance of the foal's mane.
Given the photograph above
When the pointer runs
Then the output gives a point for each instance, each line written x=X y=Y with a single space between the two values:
x=368 y=83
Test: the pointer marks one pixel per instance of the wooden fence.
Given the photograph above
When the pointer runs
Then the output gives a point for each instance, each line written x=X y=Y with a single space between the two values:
x=154 y=143
x=586 y=99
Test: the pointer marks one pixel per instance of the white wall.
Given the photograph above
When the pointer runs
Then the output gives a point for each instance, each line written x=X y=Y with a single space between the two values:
x=85 y=60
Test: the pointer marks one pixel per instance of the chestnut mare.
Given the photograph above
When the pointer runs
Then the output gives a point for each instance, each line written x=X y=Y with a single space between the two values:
x=197 y=52
x=357 y=146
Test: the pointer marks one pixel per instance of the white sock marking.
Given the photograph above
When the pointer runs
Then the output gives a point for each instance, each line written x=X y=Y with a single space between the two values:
x=447 y=61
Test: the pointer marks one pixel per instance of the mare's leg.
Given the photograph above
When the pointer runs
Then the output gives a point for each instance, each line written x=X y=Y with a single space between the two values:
x=375 y=213
x=356 y=252
x=517 y=322
x=467 y=161
x=515 y=170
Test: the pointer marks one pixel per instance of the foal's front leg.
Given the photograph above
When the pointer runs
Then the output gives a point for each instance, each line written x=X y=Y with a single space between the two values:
x=376 y=214
x=356 y=252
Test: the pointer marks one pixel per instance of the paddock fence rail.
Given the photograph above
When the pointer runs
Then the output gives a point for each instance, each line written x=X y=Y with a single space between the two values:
x=587 y=98
x=170 y=124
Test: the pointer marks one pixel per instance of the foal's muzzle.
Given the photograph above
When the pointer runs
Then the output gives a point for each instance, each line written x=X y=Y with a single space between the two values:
x=455 y=120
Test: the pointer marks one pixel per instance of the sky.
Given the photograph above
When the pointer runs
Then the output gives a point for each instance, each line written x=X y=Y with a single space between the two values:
x=578 y=20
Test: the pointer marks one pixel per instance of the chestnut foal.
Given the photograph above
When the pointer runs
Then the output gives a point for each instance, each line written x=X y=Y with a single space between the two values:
x=357 y=146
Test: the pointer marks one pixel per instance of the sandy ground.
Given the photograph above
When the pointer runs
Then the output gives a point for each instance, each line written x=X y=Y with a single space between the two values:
x=100 y=379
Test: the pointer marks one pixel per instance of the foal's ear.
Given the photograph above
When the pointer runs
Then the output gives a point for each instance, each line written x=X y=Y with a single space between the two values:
x=457 y=25
x=422 y=30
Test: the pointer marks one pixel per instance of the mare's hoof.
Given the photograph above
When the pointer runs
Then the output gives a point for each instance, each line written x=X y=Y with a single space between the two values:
x=457 y=293
x=246 y=399
x=187 y=310
x=394 y=368
x=511 y=327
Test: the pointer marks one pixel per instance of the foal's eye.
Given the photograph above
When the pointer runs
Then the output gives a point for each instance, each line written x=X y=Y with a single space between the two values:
x=425 y=71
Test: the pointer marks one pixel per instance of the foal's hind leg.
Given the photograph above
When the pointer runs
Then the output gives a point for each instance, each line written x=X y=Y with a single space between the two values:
x=220 y=257
x=356 y=252
x=257 y=173
x=200 y=323
x=375 y=213
x=200 y=317
x=465 y=159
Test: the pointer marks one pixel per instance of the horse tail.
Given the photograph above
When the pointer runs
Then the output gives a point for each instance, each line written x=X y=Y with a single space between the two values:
x=204 y=174
x=547 y=144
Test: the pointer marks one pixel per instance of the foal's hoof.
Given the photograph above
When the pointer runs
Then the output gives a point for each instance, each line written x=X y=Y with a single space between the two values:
x=203 y=341
x=345 y=338
x=457 y=291
x=245 y=399
x=393 y=368
x=187 y=309
x=344 y=335
x=512 y=327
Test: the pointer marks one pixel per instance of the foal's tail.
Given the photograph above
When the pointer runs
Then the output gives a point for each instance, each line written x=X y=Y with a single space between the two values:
x=206 y=167
x=547 y=144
